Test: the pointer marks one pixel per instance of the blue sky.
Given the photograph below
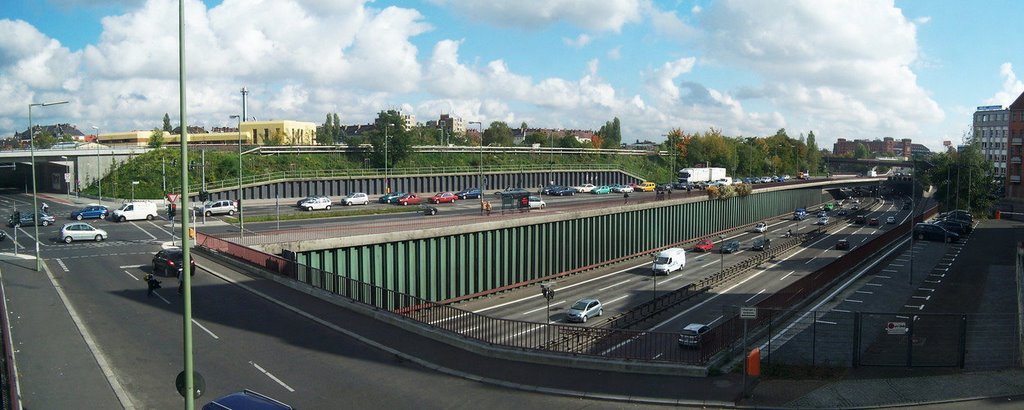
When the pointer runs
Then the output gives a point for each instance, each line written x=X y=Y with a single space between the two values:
x=843 y=69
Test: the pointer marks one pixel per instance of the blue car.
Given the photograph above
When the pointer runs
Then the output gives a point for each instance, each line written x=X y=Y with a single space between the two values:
x=471 y=193
x=90 y=212
x=391 y=198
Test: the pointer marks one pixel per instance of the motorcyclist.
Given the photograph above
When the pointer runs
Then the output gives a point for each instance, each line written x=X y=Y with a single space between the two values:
x=44 y=208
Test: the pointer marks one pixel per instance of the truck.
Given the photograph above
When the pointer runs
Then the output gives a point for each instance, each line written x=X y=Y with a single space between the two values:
x=669 y=260
x=697 y=175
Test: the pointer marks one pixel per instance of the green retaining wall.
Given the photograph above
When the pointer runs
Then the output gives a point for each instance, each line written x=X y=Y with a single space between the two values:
x=447 y=267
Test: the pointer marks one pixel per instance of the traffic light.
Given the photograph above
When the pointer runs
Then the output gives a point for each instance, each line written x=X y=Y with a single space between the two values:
x=172 y=209
x=204 y=196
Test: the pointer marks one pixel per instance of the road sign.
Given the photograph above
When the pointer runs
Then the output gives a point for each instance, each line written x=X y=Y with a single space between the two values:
x=748 y=312
x=173 y=198
x=67 y=177
x=896 y=328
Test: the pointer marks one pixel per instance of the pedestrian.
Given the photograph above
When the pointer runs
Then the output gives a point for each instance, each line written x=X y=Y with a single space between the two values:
x=151 y=284
x=45 y=208
x=181 y=281
x=625 y=198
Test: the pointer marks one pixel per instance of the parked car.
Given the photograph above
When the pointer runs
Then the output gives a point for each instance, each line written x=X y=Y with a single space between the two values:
x=730 y=246
x=933 y=232
x=471 y=193
x=19 y=219
x=81 y=231
x=647 y=187
x=692 y=334
x=954 y=226
x=704 y=245
x=443 y=197
x=551 y=189
x=760 y=227
x=390 y=198
x=537 y=203
x=890 y=220
x=761 y=244
x=168 y=261
x=584 y=188
x=873 y=222
x=843 y=245
x=512 y=191
x=355 y=198
x=563 y=191
x=620 y=188
x=90 y=212
x=246 y=399
x=584 y=309
x=219 y=207
x=603 y=189
x=320 y=202
x=409 y=199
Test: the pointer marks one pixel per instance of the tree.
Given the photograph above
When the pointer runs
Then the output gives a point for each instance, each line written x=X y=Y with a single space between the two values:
x=44 y=139
x=156 y=138
x=568 y=141
x=498 y=134
x=167 y=123
x=390 y=130
x=337 y=133
x=275 y=139
x=536 y=138
x=325 y=135
x=813 y=153
x=860 y=151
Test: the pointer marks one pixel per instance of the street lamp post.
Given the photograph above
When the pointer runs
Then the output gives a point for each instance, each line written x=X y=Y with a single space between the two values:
x=67 y=179
x=913 y=210
x=241 y=223
x=721 y=255
x=480 y=176
x=35 y=198
x=99 y=178
x=387 y=186
x=134 y=183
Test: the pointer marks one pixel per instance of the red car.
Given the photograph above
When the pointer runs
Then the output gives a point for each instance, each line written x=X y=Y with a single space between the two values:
x=409 y=199
x=873 y=222
x=705 y=245
x=443 y=197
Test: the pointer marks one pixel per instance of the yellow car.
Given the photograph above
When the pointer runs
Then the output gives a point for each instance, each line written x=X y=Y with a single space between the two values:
x=647 y=186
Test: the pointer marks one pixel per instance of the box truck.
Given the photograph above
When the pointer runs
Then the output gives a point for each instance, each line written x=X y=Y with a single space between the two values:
x=697 y=175
x=669 y=260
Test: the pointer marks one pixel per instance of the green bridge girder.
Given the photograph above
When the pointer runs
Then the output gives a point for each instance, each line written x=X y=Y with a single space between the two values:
x=456 y=266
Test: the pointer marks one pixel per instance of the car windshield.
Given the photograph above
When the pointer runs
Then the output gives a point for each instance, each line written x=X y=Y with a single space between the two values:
x=580 y=305
x=661 y=260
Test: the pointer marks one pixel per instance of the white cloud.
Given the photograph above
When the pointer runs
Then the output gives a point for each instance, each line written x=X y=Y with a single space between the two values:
x=668 y=25
x=579 y=42
x=661 y=81
x=1011 y=89
x=604 y=15
x=846 y=65
x=614 y=53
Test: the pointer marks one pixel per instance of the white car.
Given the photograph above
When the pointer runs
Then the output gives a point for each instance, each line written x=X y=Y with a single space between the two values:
x=761 y=227
x=220 y=207
x=355 y=198
x=890 y=220
x=537 y=203
x=320 y=202
x=822 y=221
x=584 y=188
x=81 y=231
x=584 y=309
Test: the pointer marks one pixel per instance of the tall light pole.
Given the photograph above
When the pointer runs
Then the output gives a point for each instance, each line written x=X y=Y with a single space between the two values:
x=188 y=373
x=387 y=186
x=241 y=223
x=68 y=179
x=480 y=176
x=35 y=199
x=99 y=177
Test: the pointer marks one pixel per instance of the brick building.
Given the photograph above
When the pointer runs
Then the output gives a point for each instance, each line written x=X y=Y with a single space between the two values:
x=1014 y=160
x=886 y=145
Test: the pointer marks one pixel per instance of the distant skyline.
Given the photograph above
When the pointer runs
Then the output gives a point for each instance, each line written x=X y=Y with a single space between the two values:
x=865 y=69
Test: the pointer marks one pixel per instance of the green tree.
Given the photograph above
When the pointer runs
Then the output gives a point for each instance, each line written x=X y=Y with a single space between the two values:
x=156 y=138
x=325 y=135
x=536 y=138
x=277 y=138
x=498 y=134
x=813 y=153
x=569 y=141
x=390 y=128
x=167 y=123
x=44 y=139
x=337 y=133
x=860 y=151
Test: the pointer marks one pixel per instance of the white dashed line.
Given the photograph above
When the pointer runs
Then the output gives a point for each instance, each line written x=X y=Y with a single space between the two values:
x=204 y=328
x=272 y=377
x=614 y=285
x=755 y=295
x=62 y=265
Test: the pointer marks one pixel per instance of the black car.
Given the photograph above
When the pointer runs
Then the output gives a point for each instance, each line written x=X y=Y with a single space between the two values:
x=730 y=246
x=428 y=210
x=761 y=244
x=843 y=244
x=953 y=225
x=860 y=219
x=934 y=232
x=471 y=193
x=19 y=219
x=842 y=212
x=558 y=190
x=167 y=262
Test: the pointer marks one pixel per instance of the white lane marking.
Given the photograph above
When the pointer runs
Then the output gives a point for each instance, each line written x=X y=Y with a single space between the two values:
x=755 y=295
x=130 y=266
x=129 y=274
x=62 y=265
x=161 y=297
x=272 y=377
x=613 y=285
x=809 y=260
x=537 y=295
x=913 y=306
x=865 y=292
x=535 y=328
x=787 y=275
x=853 y=300
x=716 y=319
x=616 y=300
x=826 y=322
x=902 y=317
x=922 y=297
x=143 y=230
x=896 y=264
x=926 y=289
x=448 y=318
x=932 y=281
x=671 y=278
x=204 y=328
x=543 y=307
x=873 y=284
x=841 y=310
x=709 y=264
x=658 y=355
x=890 y=270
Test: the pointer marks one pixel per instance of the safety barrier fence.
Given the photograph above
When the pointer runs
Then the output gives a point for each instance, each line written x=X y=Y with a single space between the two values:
x=8 y=377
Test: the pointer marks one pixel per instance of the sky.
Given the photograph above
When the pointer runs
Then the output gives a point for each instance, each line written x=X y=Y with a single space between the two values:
x=859 y=69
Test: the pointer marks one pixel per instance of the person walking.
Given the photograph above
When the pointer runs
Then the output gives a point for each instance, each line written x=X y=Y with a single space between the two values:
x=44 y=208
x=152 y=284
x=625 y=198
x=181 y=281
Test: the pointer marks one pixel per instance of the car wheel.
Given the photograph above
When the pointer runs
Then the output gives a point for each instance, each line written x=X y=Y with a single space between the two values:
x=122 y=218
x=328 y=208
x=231 y=213
x=208 y=213
x=99 y=238
x=149 y=217
x=920 y=236
x=584 y=318
x=67 y=239
x=600 y=312
x=79 y=217
x=45 y=223
x=309 y=208
x=103 y=216
x=405 y=204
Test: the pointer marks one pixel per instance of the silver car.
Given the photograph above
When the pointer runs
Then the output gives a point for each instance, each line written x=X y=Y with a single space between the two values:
x=81 y=231
x=584 y=309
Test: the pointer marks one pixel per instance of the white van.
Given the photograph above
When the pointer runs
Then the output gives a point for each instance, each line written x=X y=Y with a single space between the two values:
x=669 y=260
x=133 y=211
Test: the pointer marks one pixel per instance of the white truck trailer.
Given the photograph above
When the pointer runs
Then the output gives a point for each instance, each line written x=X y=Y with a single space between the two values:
x=697 y=175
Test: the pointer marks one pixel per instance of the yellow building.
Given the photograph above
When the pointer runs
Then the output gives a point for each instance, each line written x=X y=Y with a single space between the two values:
x=252 y=133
